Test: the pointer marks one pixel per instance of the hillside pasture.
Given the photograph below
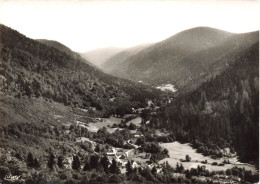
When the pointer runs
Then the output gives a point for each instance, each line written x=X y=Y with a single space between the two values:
x=178 y=151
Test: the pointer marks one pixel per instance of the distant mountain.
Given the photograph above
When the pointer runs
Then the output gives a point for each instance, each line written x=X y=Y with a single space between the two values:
x=116 y=63
x=184 y=57
x=99 y=56
x=53 y=71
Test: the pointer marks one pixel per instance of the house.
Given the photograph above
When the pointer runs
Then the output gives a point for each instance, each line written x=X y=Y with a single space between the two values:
x=111 y=152
x=134 y=165
x=138 y=134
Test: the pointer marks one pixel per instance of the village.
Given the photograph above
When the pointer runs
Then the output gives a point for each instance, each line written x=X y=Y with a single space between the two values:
x=155 y=155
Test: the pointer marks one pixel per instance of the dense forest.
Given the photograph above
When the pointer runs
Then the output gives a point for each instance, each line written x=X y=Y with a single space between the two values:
x=31 y=68
x=222 y=112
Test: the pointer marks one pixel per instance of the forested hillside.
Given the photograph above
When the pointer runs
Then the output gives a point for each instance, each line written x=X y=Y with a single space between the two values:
x=161 y=62
x=186 y=59
x=30 y=68
x=223 y=111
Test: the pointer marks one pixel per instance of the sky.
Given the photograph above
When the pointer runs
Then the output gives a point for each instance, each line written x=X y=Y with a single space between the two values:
x=87 y=25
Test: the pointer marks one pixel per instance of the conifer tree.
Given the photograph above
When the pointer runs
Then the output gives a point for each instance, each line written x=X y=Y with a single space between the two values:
x=60 y=162
x=51 y=161
x=36 y=163
x=104 y=163
x=30 y=160
x=129 y=168
x=86 y=166
x=75 y=163
x=114 y=167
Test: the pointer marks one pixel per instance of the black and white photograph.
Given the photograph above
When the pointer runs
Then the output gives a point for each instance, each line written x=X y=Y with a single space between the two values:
x=129 y=91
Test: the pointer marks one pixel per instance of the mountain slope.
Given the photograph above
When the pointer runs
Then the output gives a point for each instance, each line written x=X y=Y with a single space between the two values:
x=117 y=62
x=223 y=111
x=185 y=57
x=29 y=68
x=99 y=56
x=57 y=45
x=62 y=48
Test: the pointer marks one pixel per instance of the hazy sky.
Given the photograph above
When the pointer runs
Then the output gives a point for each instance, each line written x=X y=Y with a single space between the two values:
x=85 y=25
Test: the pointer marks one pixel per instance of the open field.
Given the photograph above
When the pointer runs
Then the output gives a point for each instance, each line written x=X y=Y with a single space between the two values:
x=178 y=151
x=137 y=121
x=94 y=127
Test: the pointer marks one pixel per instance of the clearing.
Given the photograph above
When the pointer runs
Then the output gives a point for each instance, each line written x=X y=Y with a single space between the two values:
x=178 y=151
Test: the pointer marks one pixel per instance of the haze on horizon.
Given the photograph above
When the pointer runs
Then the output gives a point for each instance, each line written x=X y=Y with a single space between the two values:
x=87 y=25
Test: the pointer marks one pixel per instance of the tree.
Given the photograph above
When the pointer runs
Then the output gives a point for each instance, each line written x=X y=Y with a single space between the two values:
x=36 y=163
x=97 y=148
x=181 y=168
x=30 y=160
x=187 y=174
x=93 y=163
x=75 y=163
x=4 y=171
x=129 y=168
x=140 y=141
x=114 y=179
x=188 y=158
x=166 y=152
x=51 y=161
x=153 y=158
x=114 y=167
x=104 y=163
x=228 y=172
x=177 y=167
x=86 y=166
x=168 y=167
x=132 y=126
x=154 y=170
x=60 y=162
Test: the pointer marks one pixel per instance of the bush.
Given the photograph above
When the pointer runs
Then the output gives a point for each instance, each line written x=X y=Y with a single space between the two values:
x=114 y=179
x=132 y=126
x=214 y=163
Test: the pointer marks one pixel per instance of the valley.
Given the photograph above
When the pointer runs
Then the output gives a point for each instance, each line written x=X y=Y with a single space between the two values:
x=177 y=151
x=194 y=118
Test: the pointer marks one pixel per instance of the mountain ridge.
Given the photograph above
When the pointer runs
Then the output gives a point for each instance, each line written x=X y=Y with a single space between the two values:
x=100 y=55
x=171 y=60
x=119 y=58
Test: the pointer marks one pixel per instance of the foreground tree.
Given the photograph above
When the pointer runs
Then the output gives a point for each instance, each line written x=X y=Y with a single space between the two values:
x=60 y=162
x=51 y=161
x=75 y=163
x=129 y=168
x=114 y=167
x=36 y=163
x=86 y=166
x=30 y=160
x=93 y=162
x=104 y=163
